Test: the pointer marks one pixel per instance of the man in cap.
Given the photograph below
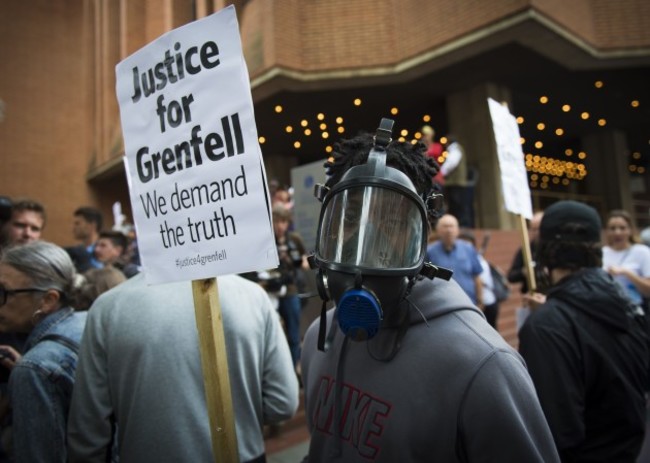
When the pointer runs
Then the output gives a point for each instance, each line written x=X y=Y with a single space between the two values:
x=586 y=346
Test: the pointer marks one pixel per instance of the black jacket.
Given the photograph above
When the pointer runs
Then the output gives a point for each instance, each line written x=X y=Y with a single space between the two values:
x=81 y=258
x=587 y=352
x=516 y=271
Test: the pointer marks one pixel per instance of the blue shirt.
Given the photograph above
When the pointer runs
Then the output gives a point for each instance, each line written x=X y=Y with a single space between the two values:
x=93 y=261
x=462 y=259
x=40 y=388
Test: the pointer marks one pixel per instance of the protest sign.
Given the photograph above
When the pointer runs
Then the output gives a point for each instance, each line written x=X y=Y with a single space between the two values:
x=514 y=179
x=197 y=180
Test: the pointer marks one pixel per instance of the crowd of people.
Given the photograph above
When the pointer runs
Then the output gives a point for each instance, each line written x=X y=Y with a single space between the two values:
x=90 y=374
x=406 y=364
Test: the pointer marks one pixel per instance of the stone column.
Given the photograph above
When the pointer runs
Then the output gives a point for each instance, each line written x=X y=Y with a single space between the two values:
x=608 y=177
x=469 y=119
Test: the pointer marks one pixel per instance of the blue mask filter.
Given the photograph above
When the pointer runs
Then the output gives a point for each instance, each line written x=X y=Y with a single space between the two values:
x=359 y=314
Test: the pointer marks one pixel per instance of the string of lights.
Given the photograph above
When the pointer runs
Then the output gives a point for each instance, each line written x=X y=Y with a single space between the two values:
x=549 y=164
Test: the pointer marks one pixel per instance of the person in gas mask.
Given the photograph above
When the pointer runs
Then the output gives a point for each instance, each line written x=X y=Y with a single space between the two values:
x=404 y=367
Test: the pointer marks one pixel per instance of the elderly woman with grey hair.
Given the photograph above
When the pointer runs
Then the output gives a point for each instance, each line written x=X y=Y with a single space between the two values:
x=36 y=283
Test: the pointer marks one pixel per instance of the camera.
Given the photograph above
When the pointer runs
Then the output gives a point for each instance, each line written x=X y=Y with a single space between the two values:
x=296 y=257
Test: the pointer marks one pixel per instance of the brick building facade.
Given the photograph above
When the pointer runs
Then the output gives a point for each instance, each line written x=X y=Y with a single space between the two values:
x=435 y=61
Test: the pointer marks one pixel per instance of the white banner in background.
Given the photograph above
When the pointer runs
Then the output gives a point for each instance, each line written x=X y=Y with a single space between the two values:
x=514 y=179
x=197 y=180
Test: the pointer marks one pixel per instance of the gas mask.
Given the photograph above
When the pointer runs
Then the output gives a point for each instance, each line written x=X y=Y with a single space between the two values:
x=371 y=242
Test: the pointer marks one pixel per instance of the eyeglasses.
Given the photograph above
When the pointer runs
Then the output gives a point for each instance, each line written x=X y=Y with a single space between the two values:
x=5 y=293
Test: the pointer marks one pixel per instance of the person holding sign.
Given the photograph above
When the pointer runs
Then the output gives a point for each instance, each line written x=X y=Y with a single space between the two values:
x=200 y=205
x=403 y=340
x=139 y=369
x=517 y=271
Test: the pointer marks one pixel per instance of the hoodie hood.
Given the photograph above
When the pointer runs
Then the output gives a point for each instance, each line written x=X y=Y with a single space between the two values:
x=435 y=298
x=595 y=293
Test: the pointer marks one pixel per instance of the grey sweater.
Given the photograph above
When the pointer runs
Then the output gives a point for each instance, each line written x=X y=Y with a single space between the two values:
x=139 y=361
x=455 y=391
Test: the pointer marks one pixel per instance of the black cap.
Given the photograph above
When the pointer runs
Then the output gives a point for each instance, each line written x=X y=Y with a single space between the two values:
x=562 y=213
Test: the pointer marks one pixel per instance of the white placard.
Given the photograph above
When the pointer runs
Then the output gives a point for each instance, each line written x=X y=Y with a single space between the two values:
x=306 y=209
x=514 y=180
x=197 y=180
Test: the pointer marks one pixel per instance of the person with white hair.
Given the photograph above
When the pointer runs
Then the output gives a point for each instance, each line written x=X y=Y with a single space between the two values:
x=36 y=284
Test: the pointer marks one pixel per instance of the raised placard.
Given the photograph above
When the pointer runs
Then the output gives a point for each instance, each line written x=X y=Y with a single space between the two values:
x=196 y=177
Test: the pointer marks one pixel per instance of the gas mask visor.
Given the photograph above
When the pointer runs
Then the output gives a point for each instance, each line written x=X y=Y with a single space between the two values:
x=371 y=242
x=373 y=221
x=373 y=228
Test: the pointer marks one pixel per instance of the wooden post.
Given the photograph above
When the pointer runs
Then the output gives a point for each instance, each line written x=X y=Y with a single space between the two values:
x=214 y=362
x=527 y=255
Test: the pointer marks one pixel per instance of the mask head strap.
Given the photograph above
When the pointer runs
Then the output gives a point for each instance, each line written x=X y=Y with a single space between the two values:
x=383 y=135
x=376 y=159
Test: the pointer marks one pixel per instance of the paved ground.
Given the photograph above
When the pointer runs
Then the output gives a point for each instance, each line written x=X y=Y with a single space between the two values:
x=293 y=454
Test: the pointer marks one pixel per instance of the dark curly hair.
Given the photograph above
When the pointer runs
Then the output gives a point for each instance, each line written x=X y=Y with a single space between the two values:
x=407 y=157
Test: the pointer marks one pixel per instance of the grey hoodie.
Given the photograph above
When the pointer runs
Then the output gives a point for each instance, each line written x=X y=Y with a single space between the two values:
x=454 y=391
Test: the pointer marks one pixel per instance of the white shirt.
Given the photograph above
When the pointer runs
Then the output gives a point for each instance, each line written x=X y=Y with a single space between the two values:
x=635 y=258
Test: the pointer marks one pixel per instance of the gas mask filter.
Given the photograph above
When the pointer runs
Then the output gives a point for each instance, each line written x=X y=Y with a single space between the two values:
x=371 y=242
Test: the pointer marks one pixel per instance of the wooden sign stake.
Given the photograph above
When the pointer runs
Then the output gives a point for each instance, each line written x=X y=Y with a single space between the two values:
x=527 y=255
x=214 y=364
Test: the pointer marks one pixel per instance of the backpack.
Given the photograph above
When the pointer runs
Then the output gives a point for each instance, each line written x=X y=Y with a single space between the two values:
x=501 y=288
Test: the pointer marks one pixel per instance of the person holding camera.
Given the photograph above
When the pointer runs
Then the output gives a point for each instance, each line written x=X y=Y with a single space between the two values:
x=291 y=253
